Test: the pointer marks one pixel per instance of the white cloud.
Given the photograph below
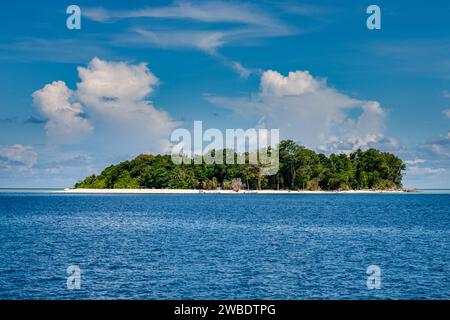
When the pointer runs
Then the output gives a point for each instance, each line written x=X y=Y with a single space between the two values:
x=415 y=170
x=46 y=165
x=203 y=40
x=428 y=164
x=17 y=157
x=295 y=84
x=119 y=80
x=307 y=9
x=415 y=161
x=65 y=117
x=210 y=11
x=114 y=95
x=439 y=147
x=240 y=69
x=208 y=41
x=446 y=113
x=205 y=26
x=446 y=94
x=309 y=111
x=435 y=153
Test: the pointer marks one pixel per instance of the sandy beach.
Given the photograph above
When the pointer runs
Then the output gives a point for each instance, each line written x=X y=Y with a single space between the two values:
x=196 y=191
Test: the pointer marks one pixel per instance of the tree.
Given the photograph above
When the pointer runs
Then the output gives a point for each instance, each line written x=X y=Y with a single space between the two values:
x=288 y=156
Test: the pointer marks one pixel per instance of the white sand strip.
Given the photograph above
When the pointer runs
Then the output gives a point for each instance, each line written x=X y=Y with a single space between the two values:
x=195 y=191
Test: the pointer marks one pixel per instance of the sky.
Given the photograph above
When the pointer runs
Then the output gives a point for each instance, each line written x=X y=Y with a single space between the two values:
x=75 y=101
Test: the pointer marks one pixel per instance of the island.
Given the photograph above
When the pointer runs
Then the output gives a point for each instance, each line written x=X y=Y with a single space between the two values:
x=300 y=169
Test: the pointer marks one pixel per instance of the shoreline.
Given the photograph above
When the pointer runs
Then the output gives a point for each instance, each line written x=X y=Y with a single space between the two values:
x=197 y=191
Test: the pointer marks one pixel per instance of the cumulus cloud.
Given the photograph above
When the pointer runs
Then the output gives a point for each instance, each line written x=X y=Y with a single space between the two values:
x=308 y=110
x=65 y=117
x=116 y=96
x=114 y=80
x=111 y=100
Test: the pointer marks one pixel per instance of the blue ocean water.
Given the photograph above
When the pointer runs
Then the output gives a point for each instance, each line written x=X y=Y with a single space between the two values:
x=224 y=246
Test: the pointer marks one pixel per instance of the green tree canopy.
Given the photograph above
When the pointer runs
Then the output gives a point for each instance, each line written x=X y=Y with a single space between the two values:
x=300 y=169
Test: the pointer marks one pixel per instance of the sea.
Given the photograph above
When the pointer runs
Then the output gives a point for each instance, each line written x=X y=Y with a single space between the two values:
x=217 y=246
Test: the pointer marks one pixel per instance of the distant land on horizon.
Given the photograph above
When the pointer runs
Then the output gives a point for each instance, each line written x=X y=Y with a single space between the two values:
x=299 y=169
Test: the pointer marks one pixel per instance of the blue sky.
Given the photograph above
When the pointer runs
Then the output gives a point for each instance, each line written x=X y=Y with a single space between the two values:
x=311 y=69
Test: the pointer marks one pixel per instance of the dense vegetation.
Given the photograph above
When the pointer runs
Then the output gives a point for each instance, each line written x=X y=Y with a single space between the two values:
x=300 y=168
